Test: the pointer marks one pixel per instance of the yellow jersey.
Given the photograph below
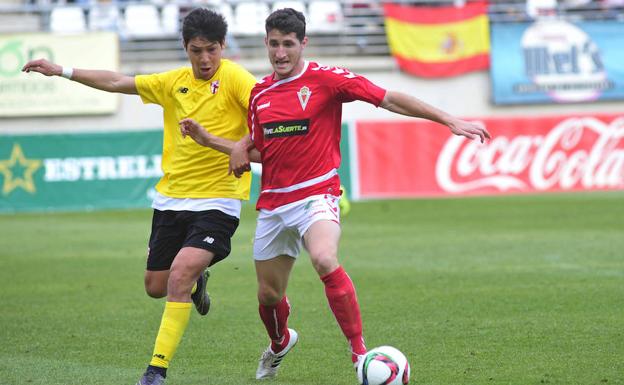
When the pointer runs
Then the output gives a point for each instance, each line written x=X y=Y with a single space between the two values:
x=220 y=105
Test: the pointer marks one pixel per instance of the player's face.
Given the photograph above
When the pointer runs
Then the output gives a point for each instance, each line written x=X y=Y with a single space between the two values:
x=205 y=57
x=285 y=53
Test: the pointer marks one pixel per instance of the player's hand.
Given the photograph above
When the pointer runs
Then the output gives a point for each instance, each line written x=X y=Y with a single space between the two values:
x=239 y=159
x=189 y=127
x=471 y=130
x=43 y=67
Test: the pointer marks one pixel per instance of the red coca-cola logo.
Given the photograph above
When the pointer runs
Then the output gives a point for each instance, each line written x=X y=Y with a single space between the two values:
x=575 y=154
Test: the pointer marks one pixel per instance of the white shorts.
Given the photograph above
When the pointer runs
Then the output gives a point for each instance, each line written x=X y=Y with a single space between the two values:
x=280 y=231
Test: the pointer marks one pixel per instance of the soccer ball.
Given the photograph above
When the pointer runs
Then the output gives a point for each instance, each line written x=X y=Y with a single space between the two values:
x=384 y=365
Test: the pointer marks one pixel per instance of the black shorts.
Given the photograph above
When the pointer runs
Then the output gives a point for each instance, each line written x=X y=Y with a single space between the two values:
x=210 y=230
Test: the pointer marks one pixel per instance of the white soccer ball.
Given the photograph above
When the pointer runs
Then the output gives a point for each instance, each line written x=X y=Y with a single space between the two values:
x=384 y=365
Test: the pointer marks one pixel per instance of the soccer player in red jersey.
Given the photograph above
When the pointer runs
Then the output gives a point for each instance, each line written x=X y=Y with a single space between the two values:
x=294 y=120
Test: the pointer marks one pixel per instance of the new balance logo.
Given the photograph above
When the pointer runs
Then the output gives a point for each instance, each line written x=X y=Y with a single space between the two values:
x=161 y=356
x=262 y=106
x=209 y=240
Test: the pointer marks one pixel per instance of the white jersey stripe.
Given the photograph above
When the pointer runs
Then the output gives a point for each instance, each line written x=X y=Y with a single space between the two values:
x=304 y=184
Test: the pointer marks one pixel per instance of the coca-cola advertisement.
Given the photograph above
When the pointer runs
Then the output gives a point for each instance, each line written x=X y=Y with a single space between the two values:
x=525 y=155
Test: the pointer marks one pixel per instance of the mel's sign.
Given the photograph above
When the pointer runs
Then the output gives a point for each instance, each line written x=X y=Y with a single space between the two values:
x=555 y=61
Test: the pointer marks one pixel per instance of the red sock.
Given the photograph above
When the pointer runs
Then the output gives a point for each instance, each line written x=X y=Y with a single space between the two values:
x=275 y=319
x=343 y=303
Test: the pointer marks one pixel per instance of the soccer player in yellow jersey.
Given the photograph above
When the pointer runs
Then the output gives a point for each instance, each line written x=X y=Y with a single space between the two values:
x=197 y=206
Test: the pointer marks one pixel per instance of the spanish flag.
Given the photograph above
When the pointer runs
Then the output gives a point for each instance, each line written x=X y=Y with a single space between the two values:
x=438 y=41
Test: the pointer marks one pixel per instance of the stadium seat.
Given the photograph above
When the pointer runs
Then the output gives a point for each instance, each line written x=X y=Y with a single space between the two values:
x=249 y=18
x=171 y=19
x=142 y=20
x=225 y=10
x=296 y=5
x=67 y=20
x=211 y=4
x=325 y=16
x=104 y=17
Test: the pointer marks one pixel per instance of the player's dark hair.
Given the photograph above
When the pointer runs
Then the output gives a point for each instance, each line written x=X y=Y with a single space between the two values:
x=287 y=20
x=204 y=23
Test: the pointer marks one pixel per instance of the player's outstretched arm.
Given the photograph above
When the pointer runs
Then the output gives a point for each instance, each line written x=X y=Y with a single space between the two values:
x=404 y=104
x=189 y=127
x=102 y=80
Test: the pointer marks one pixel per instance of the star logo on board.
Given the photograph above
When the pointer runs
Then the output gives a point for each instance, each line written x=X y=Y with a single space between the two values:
x=304 y=95
x=18 y=171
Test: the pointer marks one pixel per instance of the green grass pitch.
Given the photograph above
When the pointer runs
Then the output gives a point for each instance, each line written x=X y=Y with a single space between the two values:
x=515 y=290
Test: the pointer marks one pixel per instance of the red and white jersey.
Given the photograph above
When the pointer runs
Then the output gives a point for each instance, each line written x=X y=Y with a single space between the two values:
x=295 y=124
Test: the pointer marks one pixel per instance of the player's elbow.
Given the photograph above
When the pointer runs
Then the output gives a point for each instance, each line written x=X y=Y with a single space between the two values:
x=123 y=84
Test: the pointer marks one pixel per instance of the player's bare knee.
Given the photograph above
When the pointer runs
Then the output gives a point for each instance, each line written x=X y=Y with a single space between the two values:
x=180 y=281
x=154 y=289
x=324 y=263
x=268 y=295
x=155 y=294
x=323 y=251
x=155 y=283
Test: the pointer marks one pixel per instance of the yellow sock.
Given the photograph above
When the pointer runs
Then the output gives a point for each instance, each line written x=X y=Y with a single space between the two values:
x=172 y=327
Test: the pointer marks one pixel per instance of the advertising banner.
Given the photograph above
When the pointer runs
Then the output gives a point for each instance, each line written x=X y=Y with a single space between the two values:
x=556 y=61
x=31 y=94
x=438 y=41
x=345 y=169
x=79 y=171
x=422 y=158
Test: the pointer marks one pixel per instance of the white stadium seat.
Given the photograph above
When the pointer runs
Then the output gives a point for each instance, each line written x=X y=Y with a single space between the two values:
x=226 y=11
x=296 y=5
x=325 y=16
x=142 y=20
x=171 y=19
x=67 y=19
x=104 y=17
x=249 y=18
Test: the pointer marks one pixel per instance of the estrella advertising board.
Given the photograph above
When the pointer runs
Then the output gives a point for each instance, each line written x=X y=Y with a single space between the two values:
x=79 y=171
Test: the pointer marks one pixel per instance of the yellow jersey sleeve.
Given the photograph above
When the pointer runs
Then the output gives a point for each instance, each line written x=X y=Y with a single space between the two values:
x=220 y=106
x=151 y=87
x=243 y=82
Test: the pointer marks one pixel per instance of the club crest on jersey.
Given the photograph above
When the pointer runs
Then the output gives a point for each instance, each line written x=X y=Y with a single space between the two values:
x=214 y=87
x=304 y=95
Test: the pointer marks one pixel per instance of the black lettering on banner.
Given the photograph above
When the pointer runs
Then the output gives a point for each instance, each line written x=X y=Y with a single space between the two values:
x=289 y=128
